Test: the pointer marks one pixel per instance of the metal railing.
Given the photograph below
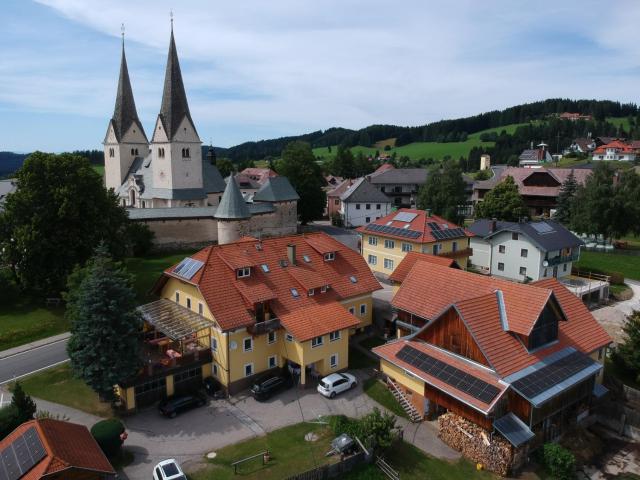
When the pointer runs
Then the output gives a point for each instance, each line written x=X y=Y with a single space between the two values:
x=562 y=259
x=260 y=328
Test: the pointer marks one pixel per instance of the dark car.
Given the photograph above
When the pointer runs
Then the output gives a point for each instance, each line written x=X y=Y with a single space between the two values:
x=170 y=407
x=267 y=387
x=213 y=388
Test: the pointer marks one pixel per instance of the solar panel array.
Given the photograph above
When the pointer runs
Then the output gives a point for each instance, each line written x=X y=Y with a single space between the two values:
x=22 y=455
x=551 y=375
x=400 y=232
x=405 y=217
x=448 y=233
x=542 y=227
x=450 y=375
x=188 y=267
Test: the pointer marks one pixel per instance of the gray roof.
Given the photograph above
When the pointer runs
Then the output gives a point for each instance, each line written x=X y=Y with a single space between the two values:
x=276 y=189
x=232 y=204
x=125 y=113
x=362 y=191
x=174 y=98
x=416 y=176
x=556 y=237
x=513 y=429
x=7 y=187
x=189 y=212
x=213 y=181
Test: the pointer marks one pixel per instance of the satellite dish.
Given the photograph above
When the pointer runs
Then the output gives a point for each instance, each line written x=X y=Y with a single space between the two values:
x=545 y=263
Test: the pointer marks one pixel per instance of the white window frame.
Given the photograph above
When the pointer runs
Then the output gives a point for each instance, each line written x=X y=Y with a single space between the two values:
x=372 y=260
x=407 y=247
x=244 y=347
x=317 y=341
x=388 y=264
x=333 y=364
x=390 y=244
x=200 y=308
x=329 y=256
x=275 y=361
x=501 y=269
x=275 y=337
x=311 y=292
x=525 y=271
x=363 y=309
x=373 y=241
x=323 y=289
x=524 y=252
x=288 y=337
x=333 y=336
x=502 y=249
x=245 y=369
x=243 y=272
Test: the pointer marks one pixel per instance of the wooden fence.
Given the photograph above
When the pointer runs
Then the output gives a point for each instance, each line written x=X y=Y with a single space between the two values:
x=332 y=471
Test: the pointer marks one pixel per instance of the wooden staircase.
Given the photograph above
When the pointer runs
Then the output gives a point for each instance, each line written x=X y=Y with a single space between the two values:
x=404 y=402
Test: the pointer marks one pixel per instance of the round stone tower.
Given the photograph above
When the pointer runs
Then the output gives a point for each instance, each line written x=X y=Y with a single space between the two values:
x=232 y=213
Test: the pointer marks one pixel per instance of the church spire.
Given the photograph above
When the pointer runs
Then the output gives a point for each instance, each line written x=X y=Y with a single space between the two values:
x=124 y=113
x=174 y=99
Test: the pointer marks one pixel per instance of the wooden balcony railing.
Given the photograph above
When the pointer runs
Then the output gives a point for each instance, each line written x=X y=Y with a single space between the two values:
x=465 y=252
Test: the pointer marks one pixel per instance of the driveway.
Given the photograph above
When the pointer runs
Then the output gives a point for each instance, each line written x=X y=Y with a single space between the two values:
x=612 y=317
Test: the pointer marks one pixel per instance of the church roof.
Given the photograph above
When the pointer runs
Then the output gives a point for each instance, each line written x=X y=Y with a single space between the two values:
x=232 y=205
x=276 y=189
x=124 y=113
x=174 y=98
x=213 y=181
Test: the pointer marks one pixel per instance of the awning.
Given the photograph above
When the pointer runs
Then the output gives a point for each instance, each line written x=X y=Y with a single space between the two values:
x=175 y=321
x=513 y=429
x=599 y=390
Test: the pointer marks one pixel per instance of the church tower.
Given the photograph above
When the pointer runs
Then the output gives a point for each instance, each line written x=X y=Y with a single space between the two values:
x=125 y=139
x=175 y=146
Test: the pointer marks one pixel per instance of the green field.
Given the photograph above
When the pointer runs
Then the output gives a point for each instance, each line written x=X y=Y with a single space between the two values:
x=418 y=150
x=619 y=122
x=99 y=169
x=627 y=265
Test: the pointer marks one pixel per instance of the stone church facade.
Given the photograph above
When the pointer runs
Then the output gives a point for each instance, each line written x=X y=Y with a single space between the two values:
x=168 y=185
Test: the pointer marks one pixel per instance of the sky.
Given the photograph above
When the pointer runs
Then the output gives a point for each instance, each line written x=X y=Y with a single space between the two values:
x=256 y=69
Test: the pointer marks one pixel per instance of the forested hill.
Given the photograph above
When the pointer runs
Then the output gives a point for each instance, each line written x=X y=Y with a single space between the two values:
x=10 y=162
x=441 y=131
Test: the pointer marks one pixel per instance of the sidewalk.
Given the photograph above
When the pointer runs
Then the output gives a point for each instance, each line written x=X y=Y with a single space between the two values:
x=30 y=346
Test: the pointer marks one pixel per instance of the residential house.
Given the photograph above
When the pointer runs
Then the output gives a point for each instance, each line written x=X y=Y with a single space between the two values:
x=334 y=204
x=399 y=184
x=249 y=308
x=539 y=187
x=574 y=117
x=583 y=145
x=260 y=175
x=615 y=150
x=362 y=203
x=386 y=241
x=521 y=361
x=604 y=140
x=534 y=157
x=53 y=450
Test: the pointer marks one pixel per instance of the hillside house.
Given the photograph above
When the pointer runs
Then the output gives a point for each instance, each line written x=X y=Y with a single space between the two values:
x=386 y=241
x=522 y=362
x=362 y=203
x=535 y=157
x=401 y=185
x=581 y=145
x=615 y=150
x=248 y=308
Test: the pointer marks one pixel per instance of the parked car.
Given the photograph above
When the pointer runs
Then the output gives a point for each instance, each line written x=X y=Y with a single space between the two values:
x=336 y=383
x=267 y=387
x=168 y=470
x=213 y=387
x=171 y=406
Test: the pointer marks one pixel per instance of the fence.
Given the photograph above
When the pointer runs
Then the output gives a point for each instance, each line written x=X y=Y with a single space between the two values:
x=332 y=471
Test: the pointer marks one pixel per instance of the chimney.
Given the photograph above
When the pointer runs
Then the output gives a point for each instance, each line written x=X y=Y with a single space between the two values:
x=531 y=145
x=291 y=253
x=428 y=210
x=494 y=225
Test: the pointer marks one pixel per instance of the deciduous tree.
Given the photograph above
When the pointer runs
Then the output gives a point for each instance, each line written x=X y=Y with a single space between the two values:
x=444 y=192
x=628 y=352
x=503 y=202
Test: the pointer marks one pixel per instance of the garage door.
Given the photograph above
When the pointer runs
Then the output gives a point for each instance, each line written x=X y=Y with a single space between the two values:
x=188 y=380
x=149 y=392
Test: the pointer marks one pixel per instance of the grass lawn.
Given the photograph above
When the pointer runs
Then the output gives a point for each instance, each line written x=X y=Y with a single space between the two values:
x=290 y=454
x=58 y=385
x=628 y=265
x=358 y=360
x=383 y=396
x=22 y=321
x=412 y=463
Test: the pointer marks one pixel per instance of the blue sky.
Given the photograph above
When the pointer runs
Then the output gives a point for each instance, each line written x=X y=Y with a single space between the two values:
x=256 y=69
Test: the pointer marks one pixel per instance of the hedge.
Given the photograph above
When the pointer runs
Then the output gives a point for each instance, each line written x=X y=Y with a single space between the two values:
x=107 y=434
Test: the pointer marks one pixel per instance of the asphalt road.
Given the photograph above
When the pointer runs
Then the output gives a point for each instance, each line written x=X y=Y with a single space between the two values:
x=33 y=360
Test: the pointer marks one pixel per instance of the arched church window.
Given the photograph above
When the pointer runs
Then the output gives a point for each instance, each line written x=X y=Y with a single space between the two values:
x=137 y=152
x=132 y=197
x=111 y=152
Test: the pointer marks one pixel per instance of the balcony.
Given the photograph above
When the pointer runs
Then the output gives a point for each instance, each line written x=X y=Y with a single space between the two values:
x=465 y=252
x=551 y=262
x=264 y=327
x=162 y=356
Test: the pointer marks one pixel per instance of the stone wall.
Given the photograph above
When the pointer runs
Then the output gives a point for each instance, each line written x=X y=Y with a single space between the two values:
x=174 y=234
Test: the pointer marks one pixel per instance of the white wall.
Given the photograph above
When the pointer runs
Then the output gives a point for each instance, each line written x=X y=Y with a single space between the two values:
x=354 y=217
x=481 y=257
x=512 y=258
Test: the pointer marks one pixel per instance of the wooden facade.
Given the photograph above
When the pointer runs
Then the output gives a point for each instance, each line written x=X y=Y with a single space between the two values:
x=456 y=406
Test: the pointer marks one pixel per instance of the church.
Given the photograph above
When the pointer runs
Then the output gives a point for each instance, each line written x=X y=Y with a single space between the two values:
x=168 y=185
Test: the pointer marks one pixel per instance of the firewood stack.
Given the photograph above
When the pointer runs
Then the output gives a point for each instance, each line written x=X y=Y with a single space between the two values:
x=475 y=443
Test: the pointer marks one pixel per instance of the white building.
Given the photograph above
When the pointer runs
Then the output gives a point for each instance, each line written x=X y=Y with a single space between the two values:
x=615 y=150
x=523 y=251
x=362 y=204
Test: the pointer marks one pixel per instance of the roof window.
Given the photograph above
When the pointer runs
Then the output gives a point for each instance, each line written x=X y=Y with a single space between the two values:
x=329 y=256
x=284 y=263
x=353 y=279
x=306 y=258
x=265 y=268
x=243 y=272
x=295 y=293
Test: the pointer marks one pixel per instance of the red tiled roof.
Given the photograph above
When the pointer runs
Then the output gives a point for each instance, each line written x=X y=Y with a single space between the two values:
x=616 y=144
x=317 y=319
x=389 y=352
x=429 y=288
x=231 y=300
x=418 y=224
x=259 y=174
x=340 y=188
x=67 y=445
x=410 y=259
x=520 y=174
x=383 y=168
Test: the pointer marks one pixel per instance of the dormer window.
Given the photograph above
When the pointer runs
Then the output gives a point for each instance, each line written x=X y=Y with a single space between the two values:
x=330 y=256
x=324 y=288
x=311 y=292
x=243 y=272
x=545 y=330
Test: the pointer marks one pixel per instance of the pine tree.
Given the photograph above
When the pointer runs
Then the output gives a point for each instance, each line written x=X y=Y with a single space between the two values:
x=566 y=199
x=104 y=347
x=504 y=202
x=628 y=352
x=23 y=404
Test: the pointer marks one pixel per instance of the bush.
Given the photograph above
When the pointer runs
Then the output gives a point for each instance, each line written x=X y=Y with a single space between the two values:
x=140 y=238
x=107 y=434
x=559 y=461
x=617 y=278
x=9 y=420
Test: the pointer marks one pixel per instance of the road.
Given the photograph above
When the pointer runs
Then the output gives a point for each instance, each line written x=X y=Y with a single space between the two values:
x=33 y=360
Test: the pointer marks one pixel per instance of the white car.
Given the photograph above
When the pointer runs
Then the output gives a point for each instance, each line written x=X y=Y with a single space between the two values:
x=336 y=383
x=168 y=470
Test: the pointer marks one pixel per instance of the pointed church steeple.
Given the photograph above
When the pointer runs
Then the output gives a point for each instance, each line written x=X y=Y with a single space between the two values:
x=174 y=107
x=125 y=113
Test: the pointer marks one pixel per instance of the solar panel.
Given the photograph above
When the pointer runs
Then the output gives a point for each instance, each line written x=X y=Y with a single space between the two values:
x=542 y=227
x=550 y=375
x=399 y=232
x=187 y=268
x=21 y=456
x=433 y=226
x=405 y=217
x=449 y=374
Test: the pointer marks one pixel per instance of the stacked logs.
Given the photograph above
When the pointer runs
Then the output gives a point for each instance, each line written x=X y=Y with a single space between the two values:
x=475 y=443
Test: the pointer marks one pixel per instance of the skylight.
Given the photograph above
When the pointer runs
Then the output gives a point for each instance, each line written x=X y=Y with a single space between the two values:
x=306 y=258
x=295 y=293
x=353 y=279
x=265 y=268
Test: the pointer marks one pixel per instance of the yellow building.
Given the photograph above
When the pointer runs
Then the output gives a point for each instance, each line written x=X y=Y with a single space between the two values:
x=386 y=241
x=238 y=311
